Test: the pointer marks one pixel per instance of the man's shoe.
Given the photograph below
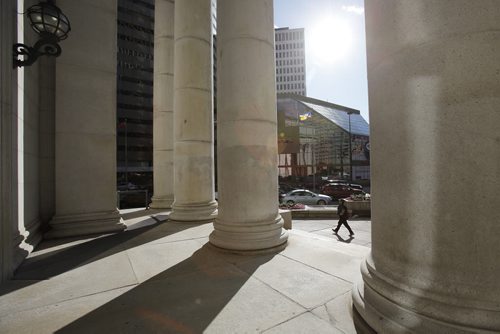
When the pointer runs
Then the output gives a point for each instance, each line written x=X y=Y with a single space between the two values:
x=334 y=230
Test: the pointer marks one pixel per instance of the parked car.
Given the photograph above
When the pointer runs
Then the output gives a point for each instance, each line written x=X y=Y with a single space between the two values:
x=305 y=197
x=339 y=190
x=355 y=186
x=352 y=185
x=285 y=188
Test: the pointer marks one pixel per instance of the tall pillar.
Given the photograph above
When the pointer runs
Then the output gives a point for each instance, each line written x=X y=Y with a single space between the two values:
x=247 y=128
x=46 y=139
x=85 y=160
x=163 y=105
x=193 y=113
x=434 y=85
x=27 y=232
x=8 y=142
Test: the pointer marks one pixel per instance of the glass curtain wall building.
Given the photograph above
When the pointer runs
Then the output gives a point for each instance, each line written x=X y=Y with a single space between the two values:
x=313 y=139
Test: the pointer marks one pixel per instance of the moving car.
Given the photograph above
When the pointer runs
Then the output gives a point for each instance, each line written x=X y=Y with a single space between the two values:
x=305 y=197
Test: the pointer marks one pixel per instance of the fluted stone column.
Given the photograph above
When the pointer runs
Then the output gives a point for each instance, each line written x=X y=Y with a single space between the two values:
x=193 y=113
x=163 y=106
x=434 y=85
x=85 y=159
x=247 y=128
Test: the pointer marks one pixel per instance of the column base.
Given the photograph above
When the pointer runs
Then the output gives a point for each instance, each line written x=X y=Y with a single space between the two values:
x=26 y=241
x=390 y=309
x=33 y=234
x=196 y=212
x=158 y=202
x=272 y=250
x=249 y=236
x=85 y=224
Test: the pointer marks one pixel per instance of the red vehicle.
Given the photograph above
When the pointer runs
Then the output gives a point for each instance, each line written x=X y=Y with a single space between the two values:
x=344 y=182
x=337 y=190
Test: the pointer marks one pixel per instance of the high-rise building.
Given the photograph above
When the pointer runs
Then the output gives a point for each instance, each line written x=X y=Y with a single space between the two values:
x=135 y=91
x=290 y=61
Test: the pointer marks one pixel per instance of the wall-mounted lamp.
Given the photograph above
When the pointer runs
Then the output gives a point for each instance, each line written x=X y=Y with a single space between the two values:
x=52 y=25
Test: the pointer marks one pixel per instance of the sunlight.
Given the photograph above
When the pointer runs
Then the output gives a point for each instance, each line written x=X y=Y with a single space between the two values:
x=330 y=40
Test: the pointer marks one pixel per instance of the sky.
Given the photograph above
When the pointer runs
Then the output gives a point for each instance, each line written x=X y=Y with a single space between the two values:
x=335 y=48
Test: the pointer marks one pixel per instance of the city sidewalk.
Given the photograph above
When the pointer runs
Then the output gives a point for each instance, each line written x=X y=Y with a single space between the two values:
x=164 y=277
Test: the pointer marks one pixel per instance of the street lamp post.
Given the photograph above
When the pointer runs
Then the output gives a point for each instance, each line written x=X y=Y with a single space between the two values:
x=314 y=164
x=124 y=125
x=350 y=147
x=126 y=151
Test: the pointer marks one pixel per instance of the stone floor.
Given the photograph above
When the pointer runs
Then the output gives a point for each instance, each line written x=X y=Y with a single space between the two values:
x=163 y=277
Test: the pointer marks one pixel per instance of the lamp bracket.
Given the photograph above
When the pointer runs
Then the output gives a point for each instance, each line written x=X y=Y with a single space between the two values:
x=25 y=55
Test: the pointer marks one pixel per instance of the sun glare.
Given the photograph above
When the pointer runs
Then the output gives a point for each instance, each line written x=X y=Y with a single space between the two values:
x=330 y=40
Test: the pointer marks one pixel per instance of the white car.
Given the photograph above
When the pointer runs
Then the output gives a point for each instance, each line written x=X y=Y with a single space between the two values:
x=305 y=197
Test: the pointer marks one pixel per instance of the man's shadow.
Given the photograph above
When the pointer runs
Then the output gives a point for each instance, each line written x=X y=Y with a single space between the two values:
x=347 y=241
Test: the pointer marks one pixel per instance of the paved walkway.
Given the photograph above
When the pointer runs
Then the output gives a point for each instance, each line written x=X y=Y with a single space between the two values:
x=362 y=228
x=165 y=278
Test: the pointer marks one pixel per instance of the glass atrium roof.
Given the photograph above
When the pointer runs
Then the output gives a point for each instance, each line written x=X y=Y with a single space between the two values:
x=358 y=124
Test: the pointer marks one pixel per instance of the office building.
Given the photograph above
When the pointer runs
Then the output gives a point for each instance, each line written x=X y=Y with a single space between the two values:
x=290 y=61
x=135 y=23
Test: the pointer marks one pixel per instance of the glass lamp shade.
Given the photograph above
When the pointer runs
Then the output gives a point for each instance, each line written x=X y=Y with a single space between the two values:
x=46 y=18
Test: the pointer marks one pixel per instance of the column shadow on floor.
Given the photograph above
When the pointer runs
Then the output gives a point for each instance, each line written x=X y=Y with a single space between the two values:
x=62 y=259
x=185 y=298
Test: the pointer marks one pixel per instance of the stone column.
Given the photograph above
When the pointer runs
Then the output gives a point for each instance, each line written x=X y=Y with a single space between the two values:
x=193 y=113
x=85 y=161
x=434 y=85
x=163 y=105
x=46 y=139
x=8 y=147
x=28 y=233
x=247 y=128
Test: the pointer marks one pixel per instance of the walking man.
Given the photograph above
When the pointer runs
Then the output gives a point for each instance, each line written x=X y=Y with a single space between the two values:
x=343 y=215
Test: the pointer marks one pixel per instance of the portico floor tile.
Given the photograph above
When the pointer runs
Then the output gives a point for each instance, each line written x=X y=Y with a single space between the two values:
x=166 y=277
